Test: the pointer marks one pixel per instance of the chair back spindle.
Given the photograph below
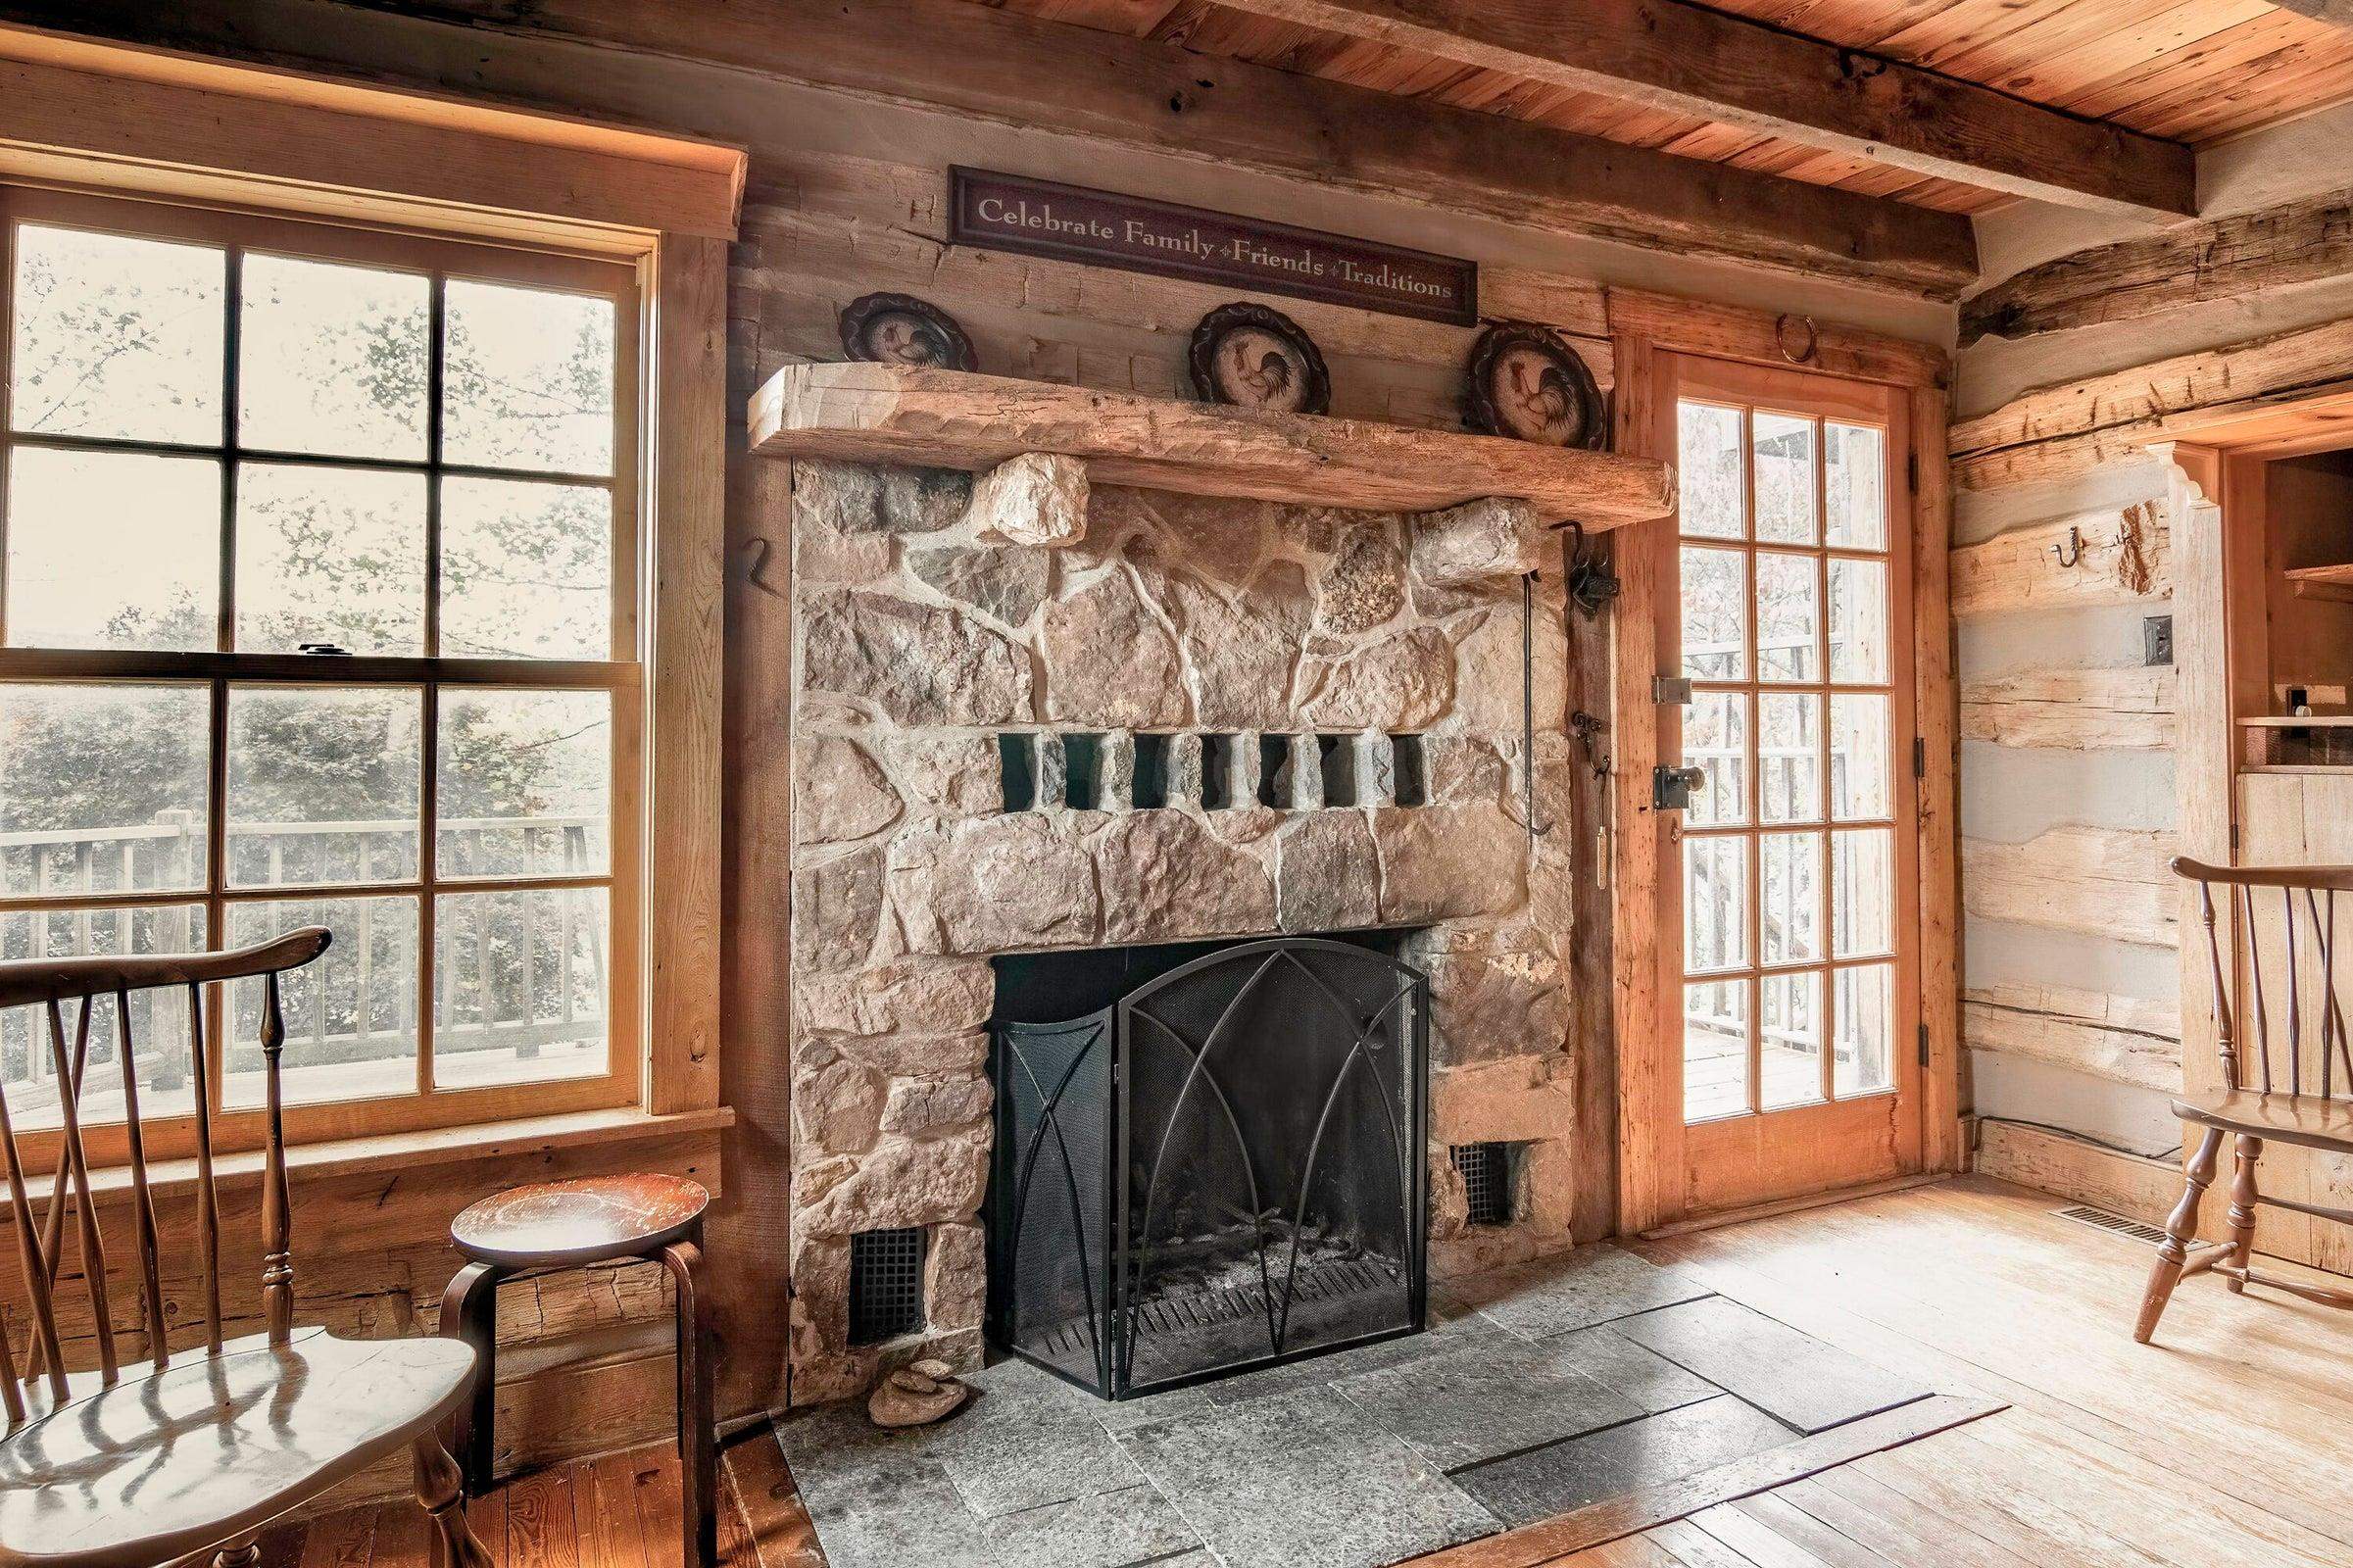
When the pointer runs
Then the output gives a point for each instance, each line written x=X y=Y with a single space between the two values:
x=2278 y=959
x=48 y=985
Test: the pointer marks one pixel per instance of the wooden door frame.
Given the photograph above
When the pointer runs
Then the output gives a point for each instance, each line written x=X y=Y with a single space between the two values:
x=1643 y=327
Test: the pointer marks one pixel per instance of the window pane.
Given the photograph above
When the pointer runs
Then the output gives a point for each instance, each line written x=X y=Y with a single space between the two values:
x=117 y=336
x=1791 y=897
x=1862 y=892
x=1715 y=1050
x=333 y=359
x=112 y=550
x=1715 y=614
x=351 y=1013
x=528 y=380
x=1858 y=620
x=1787 y=617
x=518 y=987
x=103 y=788
x=1788 y=766
x=1708 y=460
x=1866 y=1023
x=1856 y=475
x=330 y=555
x=1785 y=479
x=1789 y=1039
x=159 y=1019
x=526 y=570
x=1715 y=903
x=1859 y=744
x=525 y=783
x=1714 y=740
x=324 y=784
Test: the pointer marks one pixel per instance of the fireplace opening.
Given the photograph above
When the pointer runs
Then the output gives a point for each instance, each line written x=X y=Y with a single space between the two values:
x=1209 y=1157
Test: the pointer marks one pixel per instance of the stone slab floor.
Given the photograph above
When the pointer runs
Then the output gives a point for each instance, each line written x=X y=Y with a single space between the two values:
x=1539 y=1388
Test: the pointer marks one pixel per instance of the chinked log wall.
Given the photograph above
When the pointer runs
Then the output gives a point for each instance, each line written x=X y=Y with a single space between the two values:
x=2067 y=815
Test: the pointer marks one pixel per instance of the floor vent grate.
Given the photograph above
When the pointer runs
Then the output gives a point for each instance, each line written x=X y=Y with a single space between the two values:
x=2113 y=1224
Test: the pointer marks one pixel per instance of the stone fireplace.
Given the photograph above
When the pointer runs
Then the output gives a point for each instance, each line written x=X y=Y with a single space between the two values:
x=1036 y=716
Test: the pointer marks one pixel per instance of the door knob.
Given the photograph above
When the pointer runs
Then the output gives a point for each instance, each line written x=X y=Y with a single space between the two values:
x=1671 y=788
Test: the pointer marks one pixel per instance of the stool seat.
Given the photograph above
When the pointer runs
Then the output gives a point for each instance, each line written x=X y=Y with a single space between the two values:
x=586 y=1221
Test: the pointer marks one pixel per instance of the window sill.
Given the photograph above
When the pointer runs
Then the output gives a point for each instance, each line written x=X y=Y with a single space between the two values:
x=394 y=1153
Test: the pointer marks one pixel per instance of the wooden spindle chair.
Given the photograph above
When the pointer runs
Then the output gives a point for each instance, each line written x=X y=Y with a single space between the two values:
x=2277 y=980
x=141 y=1462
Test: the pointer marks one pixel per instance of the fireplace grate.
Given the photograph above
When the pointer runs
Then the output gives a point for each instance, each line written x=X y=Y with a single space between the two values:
x=1219 y=1170
x=886 y=1284
x=1489 y=1179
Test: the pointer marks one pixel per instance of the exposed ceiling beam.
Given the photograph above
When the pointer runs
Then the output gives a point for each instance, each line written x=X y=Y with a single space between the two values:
x=1041 y=75
x=1684 y=60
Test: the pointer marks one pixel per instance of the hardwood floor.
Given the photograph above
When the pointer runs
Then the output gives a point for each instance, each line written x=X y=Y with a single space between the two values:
x=2227 y=1445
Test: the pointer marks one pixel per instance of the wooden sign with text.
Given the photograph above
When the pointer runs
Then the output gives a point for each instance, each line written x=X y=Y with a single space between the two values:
x=1039 y=217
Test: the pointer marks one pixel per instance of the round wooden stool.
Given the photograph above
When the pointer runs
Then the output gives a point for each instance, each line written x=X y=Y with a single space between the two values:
x=555 y=1225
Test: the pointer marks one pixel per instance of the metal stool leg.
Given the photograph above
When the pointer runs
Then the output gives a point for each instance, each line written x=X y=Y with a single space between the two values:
x=697 y=1419
x=469 y=1311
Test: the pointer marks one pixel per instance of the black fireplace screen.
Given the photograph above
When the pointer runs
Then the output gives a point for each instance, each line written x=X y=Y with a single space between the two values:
x=1221 y=1169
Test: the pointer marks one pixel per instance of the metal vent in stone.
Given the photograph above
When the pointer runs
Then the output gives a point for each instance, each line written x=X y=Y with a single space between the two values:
x=886 y=1284
x=1489 y=1180
x=1124 y=770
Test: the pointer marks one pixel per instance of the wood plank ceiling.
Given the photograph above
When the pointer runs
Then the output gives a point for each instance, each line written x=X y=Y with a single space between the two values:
x=2189 y=71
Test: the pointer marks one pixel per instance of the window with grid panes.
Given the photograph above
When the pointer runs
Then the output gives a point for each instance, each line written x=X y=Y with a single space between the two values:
x=317 y=585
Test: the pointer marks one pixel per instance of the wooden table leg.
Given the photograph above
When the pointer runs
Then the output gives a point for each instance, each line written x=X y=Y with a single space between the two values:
x=469 y=1311
x=697 y=1419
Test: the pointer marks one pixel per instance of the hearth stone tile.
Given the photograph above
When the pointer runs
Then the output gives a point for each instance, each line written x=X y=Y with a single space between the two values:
x=1527 y=1487
x=1636 y=1371
x=919 y=1523
x=1810 y=1385
x=1304 y=1480
x=1486 y=1402
x=1018 y=1444
x=1575 y=1289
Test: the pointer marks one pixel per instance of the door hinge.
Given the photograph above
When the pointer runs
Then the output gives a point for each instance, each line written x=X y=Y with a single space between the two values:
x=1919 y=756
x=1924 y=1044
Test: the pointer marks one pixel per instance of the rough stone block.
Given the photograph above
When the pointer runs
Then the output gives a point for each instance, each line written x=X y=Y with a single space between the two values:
x=1038 y=499
x=1116 y=772
x=918 y=663
x=837 y=908
x=906 y=1182
x=837 y=1103
x=1402 y=683
x=1165 y=876
x=956 y=1277
x=1110 y=660
x=1327 y=873
x=839 y=794
x=1515 y=1100
x=919 y=1106
x=1185 y=770
x=953 y=775
x=1005 y=585
x=906 y=996
x=1479 y=541
x=994 y=885
x=915 y=1056
x=856 y=498
x=1442 y=860
x=1364 y=585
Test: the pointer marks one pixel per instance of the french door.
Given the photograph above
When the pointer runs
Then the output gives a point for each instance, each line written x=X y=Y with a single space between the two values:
x=1786 y=799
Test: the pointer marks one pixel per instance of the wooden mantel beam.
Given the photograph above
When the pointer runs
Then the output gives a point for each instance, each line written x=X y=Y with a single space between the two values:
x=1017 y=70
x=1682 y=59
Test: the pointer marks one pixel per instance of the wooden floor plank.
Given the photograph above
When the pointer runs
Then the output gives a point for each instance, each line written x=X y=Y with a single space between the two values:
x=2227 y=1445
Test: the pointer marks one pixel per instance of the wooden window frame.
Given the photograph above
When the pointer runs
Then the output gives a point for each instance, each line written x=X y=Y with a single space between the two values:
x=390 y=169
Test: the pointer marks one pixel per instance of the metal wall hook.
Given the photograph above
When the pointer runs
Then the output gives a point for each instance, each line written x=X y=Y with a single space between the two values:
x=2070 y=553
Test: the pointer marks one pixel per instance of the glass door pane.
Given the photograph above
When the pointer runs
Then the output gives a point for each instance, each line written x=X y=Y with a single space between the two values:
x=1789 y=856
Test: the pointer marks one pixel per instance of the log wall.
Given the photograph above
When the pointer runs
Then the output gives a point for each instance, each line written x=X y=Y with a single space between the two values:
x=2089 y=342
